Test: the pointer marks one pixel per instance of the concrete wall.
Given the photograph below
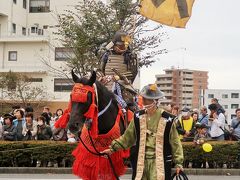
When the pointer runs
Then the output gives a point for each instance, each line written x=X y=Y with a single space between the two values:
x=225 y=102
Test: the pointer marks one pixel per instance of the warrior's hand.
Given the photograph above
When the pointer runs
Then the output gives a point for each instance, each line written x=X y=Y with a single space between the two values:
x=107 y=152
x=178 y=169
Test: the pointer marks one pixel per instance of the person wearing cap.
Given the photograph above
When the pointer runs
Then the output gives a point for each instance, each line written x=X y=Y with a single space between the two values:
x=185 y=125
x=219 y=107
x=9 y=130
x=154 y=133
x=202 y=134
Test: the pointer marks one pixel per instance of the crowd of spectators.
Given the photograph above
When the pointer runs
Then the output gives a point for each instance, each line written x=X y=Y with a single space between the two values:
x=195 y=125
x=200 y=126
x=21 y=125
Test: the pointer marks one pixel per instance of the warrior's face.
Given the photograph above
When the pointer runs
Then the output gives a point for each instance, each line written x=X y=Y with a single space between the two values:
x=150 y=105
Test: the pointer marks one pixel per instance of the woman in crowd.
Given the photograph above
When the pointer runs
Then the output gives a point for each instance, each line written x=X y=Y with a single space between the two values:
x=44 y=132
x=29 y=128
x=9 y=130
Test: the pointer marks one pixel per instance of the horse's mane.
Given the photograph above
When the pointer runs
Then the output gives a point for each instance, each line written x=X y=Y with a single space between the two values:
x=106 y=94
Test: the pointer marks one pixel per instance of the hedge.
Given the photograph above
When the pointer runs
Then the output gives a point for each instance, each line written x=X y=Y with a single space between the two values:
x=223 y=152
x=24 y=153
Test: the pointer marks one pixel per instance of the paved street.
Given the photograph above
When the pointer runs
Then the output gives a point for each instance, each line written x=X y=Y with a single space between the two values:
x=68 y=176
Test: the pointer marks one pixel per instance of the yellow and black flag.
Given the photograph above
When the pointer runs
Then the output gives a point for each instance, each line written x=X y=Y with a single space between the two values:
x=174 y=13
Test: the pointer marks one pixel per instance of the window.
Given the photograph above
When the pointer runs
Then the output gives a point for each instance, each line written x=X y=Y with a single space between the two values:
x=45 y=26
x=15 y=1
x=235 y=95
x=25 y=4
x=234 y=106
x=225 y=96
x=39 y=6
x=210 y=96
x=63 y=54
x=12 y=55
x=63 y=85
x=34 y=29
x=225 y=106
x=13 y=28
x=233 y=116
x=24 y=32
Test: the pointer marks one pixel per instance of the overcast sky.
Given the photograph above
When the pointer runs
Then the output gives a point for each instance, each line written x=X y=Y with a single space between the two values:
x=212 y=42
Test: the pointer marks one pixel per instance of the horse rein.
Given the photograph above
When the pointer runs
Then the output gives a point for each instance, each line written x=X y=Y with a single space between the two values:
x=97 y=153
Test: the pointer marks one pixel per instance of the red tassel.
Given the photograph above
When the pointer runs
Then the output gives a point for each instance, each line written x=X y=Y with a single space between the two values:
x=63 y=120
x=92 y=114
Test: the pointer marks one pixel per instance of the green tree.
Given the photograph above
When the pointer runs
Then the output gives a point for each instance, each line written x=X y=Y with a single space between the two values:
x=93 y=24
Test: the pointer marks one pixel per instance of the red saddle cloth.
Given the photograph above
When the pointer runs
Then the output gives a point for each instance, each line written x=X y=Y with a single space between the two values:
x=92 y=167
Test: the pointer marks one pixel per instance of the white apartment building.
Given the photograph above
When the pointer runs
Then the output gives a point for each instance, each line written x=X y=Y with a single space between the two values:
x=26 y=38
x=229 y=99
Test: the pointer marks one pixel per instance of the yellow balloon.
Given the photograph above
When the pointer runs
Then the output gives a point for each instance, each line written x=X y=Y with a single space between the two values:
x=207 y=147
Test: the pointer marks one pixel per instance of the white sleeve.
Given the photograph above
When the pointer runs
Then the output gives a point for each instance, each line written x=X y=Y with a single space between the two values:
x=220 y=121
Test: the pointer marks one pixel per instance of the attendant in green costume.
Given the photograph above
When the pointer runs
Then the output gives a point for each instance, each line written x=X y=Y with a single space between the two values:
x=154 y=135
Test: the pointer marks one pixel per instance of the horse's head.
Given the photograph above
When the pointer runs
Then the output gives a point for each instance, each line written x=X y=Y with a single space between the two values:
x=82 y=99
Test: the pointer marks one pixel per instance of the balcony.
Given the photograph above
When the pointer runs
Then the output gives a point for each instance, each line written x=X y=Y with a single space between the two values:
x=30 y=38
x=168 y=94
x=4 y=8
x=187 y=89
x=165 y=88
x=38 y=69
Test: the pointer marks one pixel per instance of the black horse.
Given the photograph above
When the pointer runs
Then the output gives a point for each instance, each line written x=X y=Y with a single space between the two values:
x=78 y=109
x=87 y=165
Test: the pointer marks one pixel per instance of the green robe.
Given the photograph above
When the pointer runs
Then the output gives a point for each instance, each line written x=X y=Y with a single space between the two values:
x=128 y=139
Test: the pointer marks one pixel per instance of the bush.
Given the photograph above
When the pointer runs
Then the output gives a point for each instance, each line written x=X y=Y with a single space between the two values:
x=225 y=152
x=25 y=153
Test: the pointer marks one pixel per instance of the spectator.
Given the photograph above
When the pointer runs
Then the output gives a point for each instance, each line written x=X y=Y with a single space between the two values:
x=185 y=125
x=216 y=122
x=29 y=109
x=14 y=108
x=175 y=110
x=58 y=114
x=43 y=131
x=219 y=107
x=200 y=138
x=59 y=134
x=195 y=117
x=47 y=118
x=9 y=130
x=46 y=109
x=30 y=127
x=235 y=126
x=18 y=123
x=71 y=137
x=202 y=134
x=203 y=117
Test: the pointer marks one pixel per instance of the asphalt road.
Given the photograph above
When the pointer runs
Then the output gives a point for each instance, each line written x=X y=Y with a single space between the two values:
x=68 y=176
